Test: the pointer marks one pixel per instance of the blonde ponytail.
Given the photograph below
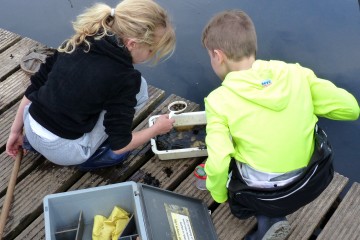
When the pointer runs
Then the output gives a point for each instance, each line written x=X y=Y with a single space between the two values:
x=135 y=19
x=95 y=20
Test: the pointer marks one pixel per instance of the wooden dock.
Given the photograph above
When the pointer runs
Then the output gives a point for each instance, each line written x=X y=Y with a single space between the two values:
x=328 y=217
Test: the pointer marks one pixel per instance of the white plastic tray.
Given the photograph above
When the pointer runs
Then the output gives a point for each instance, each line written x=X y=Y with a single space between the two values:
x=183 y=119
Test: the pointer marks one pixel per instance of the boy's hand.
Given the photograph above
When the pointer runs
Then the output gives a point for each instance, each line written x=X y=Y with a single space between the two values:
x=163 y=124
x=14 y=143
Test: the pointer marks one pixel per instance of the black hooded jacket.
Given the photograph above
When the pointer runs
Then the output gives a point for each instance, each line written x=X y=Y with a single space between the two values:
x=70 y=90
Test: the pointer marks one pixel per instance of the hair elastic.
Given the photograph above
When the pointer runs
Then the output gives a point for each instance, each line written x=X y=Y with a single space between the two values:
x=112 y=12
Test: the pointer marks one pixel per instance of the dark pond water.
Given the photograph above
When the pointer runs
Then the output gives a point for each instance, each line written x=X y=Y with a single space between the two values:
x=323 y=35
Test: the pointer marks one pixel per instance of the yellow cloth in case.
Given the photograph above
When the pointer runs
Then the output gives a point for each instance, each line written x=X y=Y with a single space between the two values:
x=110 y=228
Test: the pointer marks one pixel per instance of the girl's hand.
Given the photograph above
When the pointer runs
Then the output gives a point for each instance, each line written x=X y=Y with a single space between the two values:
x=14 y=143
x=163 y=124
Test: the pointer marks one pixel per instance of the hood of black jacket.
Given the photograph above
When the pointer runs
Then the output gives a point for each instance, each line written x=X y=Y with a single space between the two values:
x=110 y=46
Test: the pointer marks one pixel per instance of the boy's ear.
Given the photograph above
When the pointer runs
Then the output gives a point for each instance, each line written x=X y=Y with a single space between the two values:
x=219 y=55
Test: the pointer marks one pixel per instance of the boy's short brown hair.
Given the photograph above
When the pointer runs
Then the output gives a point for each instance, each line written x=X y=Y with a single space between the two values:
x=233 y=32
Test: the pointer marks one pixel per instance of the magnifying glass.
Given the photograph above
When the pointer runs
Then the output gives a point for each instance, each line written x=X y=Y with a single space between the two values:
x=176 y=107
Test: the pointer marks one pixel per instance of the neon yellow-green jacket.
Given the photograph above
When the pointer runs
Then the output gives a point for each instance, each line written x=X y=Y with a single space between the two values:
x=270 y=112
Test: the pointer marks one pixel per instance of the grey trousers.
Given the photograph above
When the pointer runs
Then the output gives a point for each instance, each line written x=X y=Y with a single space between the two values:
x=73 y=152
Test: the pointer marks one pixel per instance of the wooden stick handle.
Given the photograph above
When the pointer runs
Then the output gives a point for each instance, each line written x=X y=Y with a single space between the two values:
x=9 y=192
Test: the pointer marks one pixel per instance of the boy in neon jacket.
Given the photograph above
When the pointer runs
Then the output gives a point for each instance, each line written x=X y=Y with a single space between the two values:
x=268 y=108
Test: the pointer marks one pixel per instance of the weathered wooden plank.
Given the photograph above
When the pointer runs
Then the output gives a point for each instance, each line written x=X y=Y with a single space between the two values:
x=303 y=222
x=156 y=95
x=308 y=218
x=10 y=58
x=228 y=227
x=47 y=178
x=29 y=193
x=221 y=216
x=6 y=120
x=345 y=222
x=35 y=231
x=12 y=89
x=157 y=172
x=7 y=39
x=29 y=162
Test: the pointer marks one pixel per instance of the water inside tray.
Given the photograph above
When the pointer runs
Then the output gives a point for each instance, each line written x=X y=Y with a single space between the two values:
x=191 y=136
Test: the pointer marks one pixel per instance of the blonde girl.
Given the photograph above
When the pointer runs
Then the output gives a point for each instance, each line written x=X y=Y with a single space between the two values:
x=133 y=22
x=79 y=107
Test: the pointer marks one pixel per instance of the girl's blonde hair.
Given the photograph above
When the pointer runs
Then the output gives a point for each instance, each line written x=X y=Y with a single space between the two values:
x=135 y=19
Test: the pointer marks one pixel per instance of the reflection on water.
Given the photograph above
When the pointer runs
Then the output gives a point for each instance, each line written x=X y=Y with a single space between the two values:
x=323 y=35
x=71 y=5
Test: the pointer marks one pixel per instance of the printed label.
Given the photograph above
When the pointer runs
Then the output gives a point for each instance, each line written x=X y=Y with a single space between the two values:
x=182 y=227
x=180 y=222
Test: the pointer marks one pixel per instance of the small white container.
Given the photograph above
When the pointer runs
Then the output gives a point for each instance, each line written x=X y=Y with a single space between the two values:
x=176 y=107
x=183 y=119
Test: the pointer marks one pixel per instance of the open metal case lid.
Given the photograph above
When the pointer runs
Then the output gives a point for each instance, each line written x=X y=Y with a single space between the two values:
x=168 y=215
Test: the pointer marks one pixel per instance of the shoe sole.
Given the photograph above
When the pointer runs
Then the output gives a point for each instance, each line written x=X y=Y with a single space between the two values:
x=278 y=231
x=103 y=164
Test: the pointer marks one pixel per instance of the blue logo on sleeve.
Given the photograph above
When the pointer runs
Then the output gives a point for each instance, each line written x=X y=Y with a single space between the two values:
x=266 y=83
